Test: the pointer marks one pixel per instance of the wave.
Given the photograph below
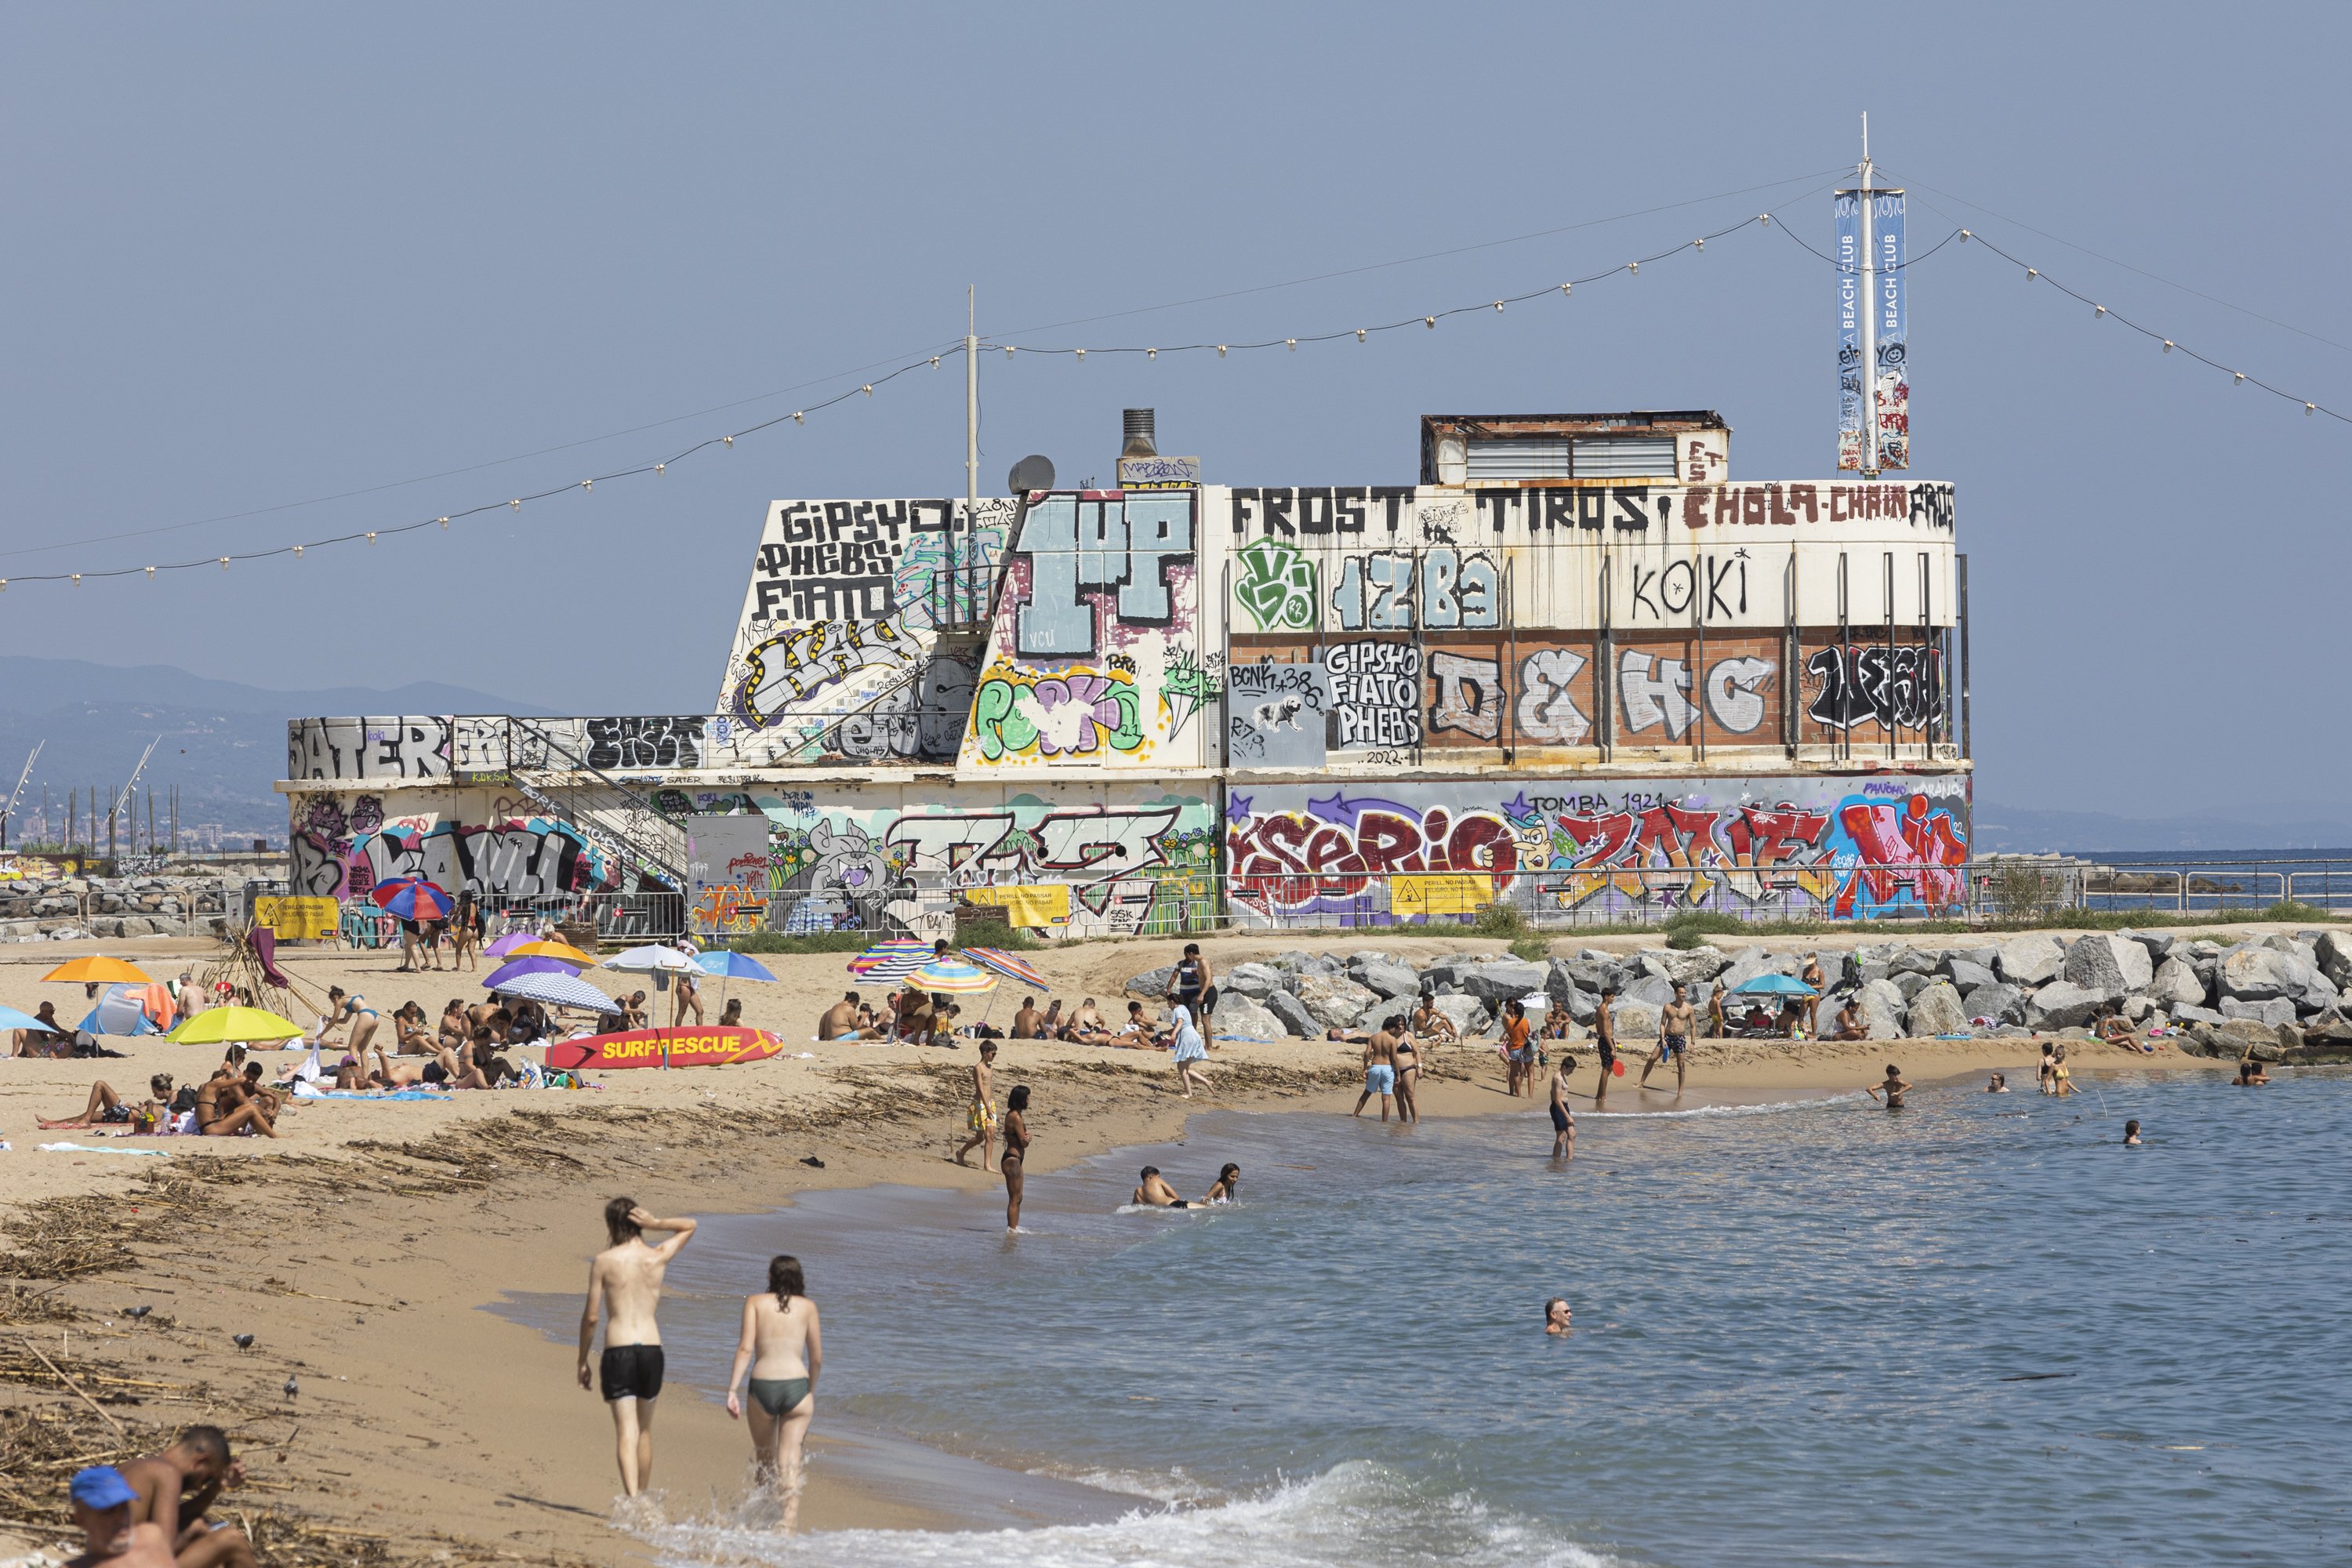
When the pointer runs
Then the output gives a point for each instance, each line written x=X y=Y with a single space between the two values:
x=1776 y=1107
x=1355 y=1515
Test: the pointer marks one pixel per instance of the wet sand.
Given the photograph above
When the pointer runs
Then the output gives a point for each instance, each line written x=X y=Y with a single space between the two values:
x=359 y=1248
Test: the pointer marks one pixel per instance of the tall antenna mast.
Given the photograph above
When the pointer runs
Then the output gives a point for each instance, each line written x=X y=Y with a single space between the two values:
x=971 y=436
x=1869 y=315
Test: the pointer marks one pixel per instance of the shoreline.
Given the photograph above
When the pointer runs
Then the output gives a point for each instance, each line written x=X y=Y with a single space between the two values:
x=362 y=1249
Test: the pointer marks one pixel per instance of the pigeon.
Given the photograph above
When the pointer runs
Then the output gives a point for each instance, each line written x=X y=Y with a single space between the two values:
x=242 y=1341
x=292 y=1387
x=813 y=1161
x=140 y=1311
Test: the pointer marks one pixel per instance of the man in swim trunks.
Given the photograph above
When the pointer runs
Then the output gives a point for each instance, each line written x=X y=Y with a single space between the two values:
x=1193 y=987
x=1676 y=1023
x=980 y=1118
x=1604 y=1035
x=1892 y=1089
x=839 y=1021
x=1563 y=1121
x=1154 y=1191
x=1379 y=1071
x=1430 y=1023
x=178 y=1486
x=624 y=1285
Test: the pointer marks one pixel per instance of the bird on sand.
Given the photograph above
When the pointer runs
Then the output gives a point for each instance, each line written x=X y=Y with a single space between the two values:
x=292 y=1387
x=242 y=1341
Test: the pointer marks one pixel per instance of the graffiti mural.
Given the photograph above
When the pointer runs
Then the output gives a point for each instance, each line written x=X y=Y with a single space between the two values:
x=1276 y=718
x=341 y=848
x=1131 y=862
x=1869 y=683
x=1095 y=655
x=1824 y=847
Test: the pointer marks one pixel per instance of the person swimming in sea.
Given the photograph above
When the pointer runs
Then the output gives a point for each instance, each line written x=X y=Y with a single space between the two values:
x=2131 y=1134
x=1558 y=1317
x=1227 y=1187
x=2251 y=1074
x=1893 y=1088
x=1154 y=1192
x=2000 y=1084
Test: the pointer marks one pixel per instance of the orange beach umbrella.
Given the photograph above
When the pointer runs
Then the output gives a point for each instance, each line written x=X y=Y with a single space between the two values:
x=102 y=970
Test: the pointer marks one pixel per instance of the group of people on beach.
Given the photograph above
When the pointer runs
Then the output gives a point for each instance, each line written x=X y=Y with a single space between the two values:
x=153 y=1511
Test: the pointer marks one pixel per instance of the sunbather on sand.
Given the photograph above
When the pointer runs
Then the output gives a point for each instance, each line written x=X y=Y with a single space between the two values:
x=454 y=1027
x=224 y=1109
x=108 y=1109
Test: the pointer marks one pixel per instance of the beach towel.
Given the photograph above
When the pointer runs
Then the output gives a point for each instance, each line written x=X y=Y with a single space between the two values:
x=305 y=1091
x=86 y=1149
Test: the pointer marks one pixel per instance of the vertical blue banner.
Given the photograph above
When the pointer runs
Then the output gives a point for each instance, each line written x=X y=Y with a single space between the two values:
x=1892 y=382
x=1848 y=254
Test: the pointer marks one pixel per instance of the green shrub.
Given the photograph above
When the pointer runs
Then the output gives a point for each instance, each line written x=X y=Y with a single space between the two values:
x=807 y=942
x=1693 y=927
x=1532 y=948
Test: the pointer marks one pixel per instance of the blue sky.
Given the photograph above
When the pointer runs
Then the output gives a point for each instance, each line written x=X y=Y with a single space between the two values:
x=264 y=254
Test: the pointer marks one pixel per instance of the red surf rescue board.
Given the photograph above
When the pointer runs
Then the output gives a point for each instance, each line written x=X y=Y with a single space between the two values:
x=682 y=1047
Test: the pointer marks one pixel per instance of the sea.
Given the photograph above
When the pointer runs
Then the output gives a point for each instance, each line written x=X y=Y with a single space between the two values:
x=1977 y=1331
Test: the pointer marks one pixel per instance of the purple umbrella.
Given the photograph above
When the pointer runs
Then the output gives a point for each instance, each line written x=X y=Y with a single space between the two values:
x=507 y=943
x=521 y=966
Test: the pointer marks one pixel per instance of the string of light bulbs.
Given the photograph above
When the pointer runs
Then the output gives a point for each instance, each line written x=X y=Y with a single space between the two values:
x=799 y=416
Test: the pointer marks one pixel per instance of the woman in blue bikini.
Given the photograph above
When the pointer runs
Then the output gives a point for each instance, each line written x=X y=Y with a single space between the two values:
x=782 y=1349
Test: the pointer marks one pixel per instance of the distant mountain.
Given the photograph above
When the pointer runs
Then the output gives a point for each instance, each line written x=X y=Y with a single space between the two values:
x=223 y=741
x=2290 y=825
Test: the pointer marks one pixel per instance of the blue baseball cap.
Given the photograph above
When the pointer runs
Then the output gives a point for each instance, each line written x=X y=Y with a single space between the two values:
x=101 y=1487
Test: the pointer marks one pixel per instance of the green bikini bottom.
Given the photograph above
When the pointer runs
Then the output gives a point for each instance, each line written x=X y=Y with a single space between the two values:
x=778 y=1394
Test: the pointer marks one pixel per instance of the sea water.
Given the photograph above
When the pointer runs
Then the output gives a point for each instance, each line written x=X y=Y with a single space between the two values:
x=1977 y=1331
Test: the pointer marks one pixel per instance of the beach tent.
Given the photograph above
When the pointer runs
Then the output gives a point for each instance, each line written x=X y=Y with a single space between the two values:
x=120 y=1010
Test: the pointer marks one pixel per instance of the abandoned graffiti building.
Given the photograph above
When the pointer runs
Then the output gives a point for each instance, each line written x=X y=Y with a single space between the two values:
x=1577 y=668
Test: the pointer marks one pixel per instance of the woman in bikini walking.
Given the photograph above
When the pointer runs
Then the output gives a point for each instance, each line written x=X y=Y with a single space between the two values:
x=783 y=1351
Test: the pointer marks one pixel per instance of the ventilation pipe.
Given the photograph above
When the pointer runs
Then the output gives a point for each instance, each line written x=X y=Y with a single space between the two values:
x=1141 y=442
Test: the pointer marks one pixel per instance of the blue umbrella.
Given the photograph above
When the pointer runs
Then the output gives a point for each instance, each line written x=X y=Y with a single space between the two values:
x=730 y=965
x=12 y=1020
x=516 y=968
x=1772 y=985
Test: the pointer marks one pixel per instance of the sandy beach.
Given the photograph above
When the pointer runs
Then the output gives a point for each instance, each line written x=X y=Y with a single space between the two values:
x=359 y=1247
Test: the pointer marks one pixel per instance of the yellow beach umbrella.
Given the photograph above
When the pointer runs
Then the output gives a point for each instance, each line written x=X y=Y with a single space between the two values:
x=220 y=1025
x=104 y=971
x=562 y=951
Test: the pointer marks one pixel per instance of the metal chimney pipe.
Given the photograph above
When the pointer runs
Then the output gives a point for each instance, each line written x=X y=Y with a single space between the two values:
x=1141 y=442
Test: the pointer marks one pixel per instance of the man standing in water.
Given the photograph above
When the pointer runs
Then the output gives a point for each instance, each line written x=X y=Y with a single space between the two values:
x=1563 y=1121
x=1379 y=1071
x=624 y=1285
x=1676 y=1023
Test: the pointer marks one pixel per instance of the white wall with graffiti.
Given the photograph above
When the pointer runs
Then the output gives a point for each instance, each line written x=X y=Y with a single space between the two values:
x=494 y=843
x=1560 y=850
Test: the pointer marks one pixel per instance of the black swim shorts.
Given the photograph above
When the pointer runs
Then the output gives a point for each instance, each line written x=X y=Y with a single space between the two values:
x=1559 y=1120
x=632 y=1371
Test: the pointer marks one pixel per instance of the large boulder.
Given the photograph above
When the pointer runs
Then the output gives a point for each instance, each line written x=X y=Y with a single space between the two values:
x=1501 y=979
x=2256 y=973
x=2334 y=952
x=1911 y=961
x=1581 y=1004
x=1651 y=989
x=1634 y=1020
x=1467 y=1014
x=2159 y=943
x=1389 y=978
x=2232 y=1037
x=1937 y=1010
x=2030 y=959
x=1249 y=980
x=2108 y=963
x=2276 y=1011
x=1882 y=1010
x=1967 y=974
x=1688 y=966
x=1909 y=982
x=1334 y=1000
x=1239 y=1015
x=2189 y=1013
x=2175 y=984
x=1750 y=962
x=2003 y=1003
x=1447 y=973
x=1294 y=1014
x=1590 y=972
x=1152 y=983
x=2062 y=1005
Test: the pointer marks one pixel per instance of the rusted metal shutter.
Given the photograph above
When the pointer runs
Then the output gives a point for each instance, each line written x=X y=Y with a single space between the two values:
x=1504 y=458
x=1623 y=458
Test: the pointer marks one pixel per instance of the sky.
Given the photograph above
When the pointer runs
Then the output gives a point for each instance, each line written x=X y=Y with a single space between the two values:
x=262 y=255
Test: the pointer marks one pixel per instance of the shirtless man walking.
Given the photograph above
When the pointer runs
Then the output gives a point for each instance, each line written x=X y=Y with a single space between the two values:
x=625 y=1286
x=178 y=1486
x=1379 y=1071
x=1604 y=1036
x=981 y=1116
x=1677 y=1022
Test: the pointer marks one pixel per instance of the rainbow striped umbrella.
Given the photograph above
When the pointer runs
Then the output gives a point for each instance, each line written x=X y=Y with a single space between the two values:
x=412 y=899
x=952 y=977
x=1010 y=965
x=891 y=960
